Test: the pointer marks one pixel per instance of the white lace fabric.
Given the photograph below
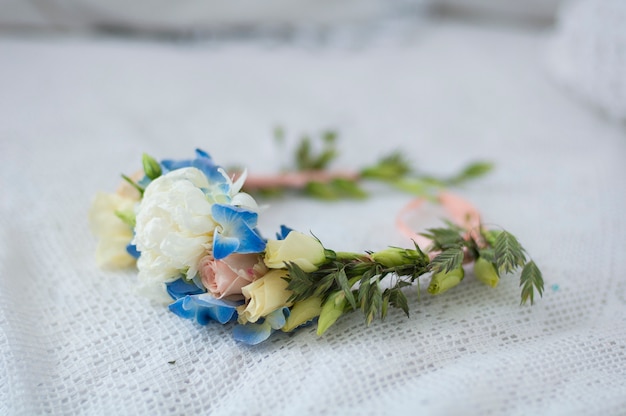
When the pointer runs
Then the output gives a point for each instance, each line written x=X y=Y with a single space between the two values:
x=77 y=340
x=588 y=53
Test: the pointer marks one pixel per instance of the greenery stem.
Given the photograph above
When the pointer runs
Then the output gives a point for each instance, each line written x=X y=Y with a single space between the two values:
x=346 y=256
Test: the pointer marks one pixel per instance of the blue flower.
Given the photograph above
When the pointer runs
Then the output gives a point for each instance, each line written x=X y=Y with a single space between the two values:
x=203 y=161
x=204 y=308
x=181 y=288
x=132 y=250
x=284 y=230
x=254 y=333
x=236 y=233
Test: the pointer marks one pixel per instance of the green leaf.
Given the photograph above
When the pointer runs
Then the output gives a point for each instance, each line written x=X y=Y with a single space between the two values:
x=329 y=137
x=374 y=303
x=444 y=238
x=302 y=284
x=471 y=171
x=530 y=280
x=385 y=306
x=447 y=260
x=279 y=135
x=488 y=254
x=347 y=188
x=127 y=216
x=364 y=288
x=398 y=299
x=415 y=186
x=509 y=254
x=342 y=281
x=323 y=159
x=389 y=168
x=321 y=190
x=133 y=184
x=324 y=284
x=303 y=154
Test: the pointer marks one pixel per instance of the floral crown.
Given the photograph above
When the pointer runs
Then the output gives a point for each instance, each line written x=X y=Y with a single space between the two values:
x=193 y=235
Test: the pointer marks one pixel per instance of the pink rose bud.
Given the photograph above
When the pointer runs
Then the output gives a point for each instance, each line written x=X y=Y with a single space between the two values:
x=225 y=278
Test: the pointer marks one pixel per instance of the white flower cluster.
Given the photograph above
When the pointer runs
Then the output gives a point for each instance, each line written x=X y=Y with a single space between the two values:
x=174 y=227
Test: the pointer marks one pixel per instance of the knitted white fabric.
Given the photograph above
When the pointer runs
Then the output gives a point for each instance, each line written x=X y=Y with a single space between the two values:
x=588 y=53
x=76 y=340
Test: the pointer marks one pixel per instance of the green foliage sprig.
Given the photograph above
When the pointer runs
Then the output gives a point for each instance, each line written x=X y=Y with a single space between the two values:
x=352 y=281
x=314 y=155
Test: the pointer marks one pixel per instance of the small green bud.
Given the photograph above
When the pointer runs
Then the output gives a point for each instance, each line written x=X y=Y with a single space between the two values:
x=442 y=281
x=151 y=167
x=486 y=272
x=332 y=309
x=396 y=256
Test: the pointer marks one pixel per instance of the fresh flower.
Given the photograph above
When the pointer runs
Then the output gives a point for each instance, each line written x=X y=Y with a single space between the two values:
x=443 y=281
x=175 y=226
x=203 y=308
x=112 y=233
x=254 y=333
x=303 y=312
x=304 y=250
x=264 y=295
x=235 y=231
x=194 y=234
x=225 y=278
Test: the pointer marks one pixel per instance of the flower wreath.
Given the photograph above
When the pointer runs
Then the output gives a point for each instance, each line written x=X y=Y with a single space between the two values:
x=192 y=232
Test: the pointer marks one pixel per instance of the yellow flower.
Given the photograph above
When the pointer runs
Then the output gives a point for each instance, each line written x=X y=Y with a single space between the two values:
x=486 y=272
x=442 y=281
x=112 y=233
x=302 y=312
x=264 y=296
x=304 y=250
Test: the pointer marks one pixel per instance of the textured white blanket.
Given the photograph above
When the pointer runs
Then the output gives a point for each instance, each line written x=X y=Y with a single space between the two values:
x=74 y=113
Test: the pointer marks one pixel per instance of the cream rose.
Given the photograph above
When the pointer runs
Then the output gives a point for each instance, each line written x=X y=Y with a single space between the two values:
x=304 y=250
x=264 y=296
x=225 y=278
x=112 y=233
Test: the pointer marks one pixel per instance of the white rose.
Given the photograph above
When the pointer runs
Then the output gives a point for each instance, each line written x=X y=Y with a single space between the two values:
x=174 y=227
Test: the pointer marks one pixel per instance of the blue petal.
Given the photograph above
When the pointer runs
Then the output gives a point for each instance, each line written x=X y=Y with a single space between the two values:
x=204 y=308
x=203 y=161
x=228 y=214
x=180 y=288
x=284 y=231
x=237 y=226
x=132 y=250
x=224 y=246
x=252 y=334
x=144 y=182
x=201 y=154
x=169 y=165
x=278 y=318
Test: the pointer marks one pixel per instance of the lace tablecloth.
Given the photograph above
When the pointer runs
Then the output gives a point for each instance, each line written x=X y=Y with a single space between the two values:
x=74 y=113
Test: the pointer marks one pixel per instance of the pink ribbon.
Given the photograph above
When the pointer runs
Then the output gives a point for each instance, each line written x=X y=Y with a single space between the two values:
x=459 y=211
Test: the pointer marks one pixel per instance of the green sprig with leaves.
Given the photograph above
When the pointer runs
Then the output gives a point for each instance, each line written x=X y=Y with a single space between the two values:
x=310 y=173
x=373 y=281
